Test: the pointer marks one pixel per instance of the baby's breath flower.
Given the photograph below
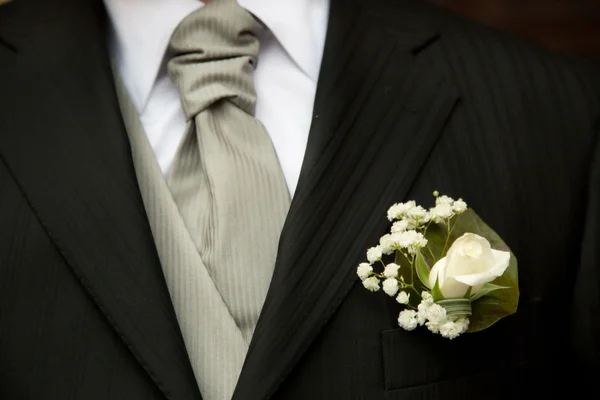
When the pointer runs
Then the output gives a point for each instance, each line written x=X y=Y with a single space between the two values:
x=411 y=224
x=436 y=314
x=407 y=238
x=386 y=244
x=364 y=271
x=391 y=270
x=390 y=286
x=417 y=213
x=426 y=298
x=420 y=242
x=463 y=324
x=433 y=328
x=409 y=205
x=417 y=217
x=441 y=212
x=394 y=212
x=444 y=200
x=399 y=226
x=403 y=297
x=449 y=330
x=411 y=240
x=394 y=240
x=374 y=254
x=407 y=319
x=371 y=284
x=423 y=307
x=459 y=206
x=400 y=210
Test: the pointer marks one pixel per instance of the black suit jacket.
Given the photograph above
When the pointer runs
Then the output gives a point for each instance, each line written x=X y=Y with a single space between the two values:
x=410 y=99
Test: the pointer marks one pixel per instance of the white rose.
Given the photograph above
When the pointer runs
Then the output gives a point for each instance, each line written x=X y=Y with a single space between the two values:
x=471 y=262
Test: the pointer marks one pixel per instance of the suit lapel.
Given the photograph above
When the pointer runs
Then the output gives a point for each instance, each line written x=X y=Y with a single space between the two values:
x=62 y=137
x=378 y=113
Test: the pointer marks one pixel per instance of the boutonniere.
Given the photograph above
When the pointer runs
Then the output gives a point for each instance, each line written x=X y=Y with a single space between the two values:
x=449 y=270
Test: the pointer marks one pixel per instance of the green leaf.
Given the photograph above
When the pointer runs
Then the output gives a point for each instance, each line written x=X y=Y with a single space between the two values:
x=406 y=275
x=468 y=294
x=436 y=292
x=459 y=306
x=485 y=290
x=436 y=238
x=405 y=269
x=496 y=304
x=400 y=259
x=422 y=270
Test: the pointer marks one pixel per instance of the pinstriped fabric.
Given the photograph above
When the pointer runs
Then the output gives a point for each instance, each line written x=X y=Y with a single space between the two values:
x=226 y=178
x=214 y=343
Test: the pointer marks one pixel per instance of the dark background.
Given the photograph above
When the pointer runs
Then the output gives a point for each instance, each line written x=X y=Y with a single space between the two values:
x=571 y=26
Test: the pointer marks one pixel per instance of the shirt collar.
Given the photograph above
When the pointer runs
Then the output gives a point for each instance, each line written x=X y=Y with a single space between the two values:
x=141 y=30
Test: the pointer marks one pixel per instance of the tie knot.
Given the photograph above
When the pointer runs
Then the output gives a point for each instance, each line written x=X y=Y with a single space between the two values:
x=214 y=53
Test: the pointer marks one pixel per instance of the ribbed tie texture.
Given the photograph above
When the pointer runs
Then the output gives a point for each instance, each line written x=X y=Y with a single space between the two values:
x=226 y=179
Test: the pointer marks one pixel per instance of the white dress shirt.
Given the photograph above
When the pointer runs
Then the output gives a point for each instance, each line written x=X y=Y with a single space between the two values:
x=285 y=78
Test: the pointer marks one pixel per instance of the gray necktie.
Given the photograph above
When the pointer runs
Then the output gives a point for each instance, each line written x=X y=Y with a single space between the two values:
x=226 y=178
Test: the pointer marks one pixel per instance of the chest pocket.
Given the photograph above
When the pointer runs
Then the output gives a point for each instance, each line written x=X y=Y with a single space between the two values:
x=419 y=358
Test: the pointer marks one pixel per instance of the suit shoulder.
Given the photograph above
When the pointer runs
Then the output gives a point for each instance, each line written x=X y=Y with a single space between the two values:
x=473 y=41
x=473 y=52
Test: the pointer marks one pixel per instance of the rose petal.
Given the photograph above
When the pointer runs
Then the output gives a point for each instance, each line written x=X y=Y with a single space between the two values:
x=453 y=289
x=476 y=279
x=502 y=261
x=500 y=265
x=460 y=264
x=435 y=272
